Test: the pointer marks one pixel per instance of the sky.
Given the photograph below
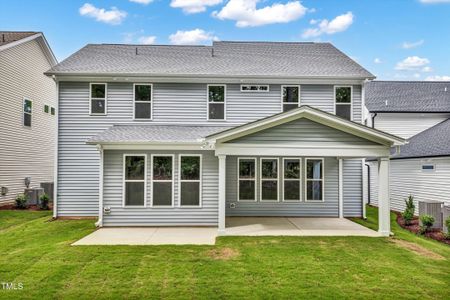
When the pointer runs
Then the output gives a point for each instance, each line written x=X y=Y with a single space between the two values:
x=393 y=39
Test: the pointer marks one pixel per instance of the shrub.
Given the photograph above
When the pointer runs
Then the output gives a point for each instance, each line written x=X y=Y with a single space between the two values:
x=21 y=201
x=427 y=222
x=44 y=199
x=447 y=224
x=408 y=214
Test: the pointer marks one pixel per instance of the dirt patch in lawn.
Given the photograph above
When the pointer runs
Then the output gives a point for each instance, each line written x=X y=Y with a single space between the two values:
x=419 y=250
x=223 y=253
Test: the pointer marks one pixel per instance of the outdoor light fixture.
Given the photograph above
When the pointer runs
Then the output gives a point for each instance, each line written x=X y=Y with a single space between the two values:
x=4 y=190
x=27 y=182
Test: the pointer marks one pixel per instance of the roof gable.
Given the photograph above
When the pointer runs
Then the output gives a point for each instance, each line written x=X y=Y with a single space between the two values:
x=312 y=114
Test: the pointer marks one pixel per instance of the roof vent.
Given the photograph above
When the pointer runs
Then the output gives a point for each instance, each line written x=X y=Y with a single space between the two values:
x=386 y=103
x=3 y=37
x=136 y=50
x=212 y=51
x=445 y=89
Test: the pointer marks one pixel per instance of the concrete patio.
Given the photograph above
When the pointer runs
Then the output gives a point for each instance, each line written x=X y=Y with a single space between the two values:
x=236 y=226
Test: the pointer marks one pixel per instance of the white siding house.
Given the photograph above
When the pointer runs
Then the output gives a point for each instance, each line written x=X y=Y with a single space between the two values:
x=28 y=106
x=420 y=112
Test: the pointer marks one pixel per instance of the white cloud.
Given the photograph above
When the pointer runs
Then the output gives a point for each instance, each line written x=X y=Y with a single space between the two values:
x=147 y=40
x=113 y=16
x=191 y=37
x=377 y=60
x=194 y=6
x=427 y=69
x=438 y=78
x=434 y=1
x=410 y=45
x=412 y=63
x=145 y=2
x=245 y=13
x=338 y=24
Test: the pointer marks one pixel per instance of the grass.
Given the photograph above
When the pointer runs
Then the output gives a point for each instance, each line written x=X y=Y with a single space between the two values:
x=38 y=254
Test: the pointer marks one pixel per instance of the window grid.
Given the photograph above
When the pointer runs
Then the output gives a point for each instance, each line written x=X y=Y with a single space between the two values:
x=262 y=179
x=150 y=102
x=172 y=156
x=350 y=104
x=91 y=99
x=322 y=179
x=299 y=179
x=253 y=179
x=217 y=103
x=286 y=104
x=125 y=180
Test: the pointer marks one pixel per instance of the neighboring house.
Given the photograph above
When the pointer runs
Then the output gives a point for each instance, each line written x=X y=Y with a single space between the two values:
x=28 y=105
x=420 y=112
x=161 y=135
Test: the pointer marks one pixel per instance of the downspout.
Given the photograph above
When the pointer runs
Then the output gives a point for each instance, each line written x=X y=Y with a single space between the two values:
x=99 y=223
x=55 y=157
x=373 y=119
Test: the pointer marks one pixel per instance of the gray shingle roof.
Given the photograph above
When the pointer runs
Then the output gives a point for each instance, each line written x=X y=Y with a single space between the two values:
x=154 y=133
x=434 y=141
x=246 y=59
x=7 y=37
x=408 y=96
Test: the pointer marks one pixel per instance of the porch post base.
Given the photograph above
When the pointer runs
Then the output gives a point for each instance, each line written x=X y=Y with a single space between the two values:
x=384 y=233
x=221 y=232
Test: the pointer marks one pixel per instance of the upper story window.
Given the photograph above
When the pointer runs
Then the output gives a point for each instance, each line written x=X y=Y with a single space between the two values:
x=27 y=111
x=143 y=101
x=216 y=101
x=255 y=88
x=290 y=96
x=98 y=99
x=343 y=101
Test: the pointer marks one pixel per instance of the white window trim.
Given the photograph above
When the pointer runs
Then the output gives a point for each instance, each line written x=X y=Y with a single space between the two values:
x=254 y=179
x=172 y=180
x=261 y=179
x=124 y=180
x=145 y=102
x=351 y=99
x=291 y=103
x=224 y=103
x=90 y=99
x=292 y=179
x=255 y=91
x=428 y=170
x=200 y=181
x=23 y=112
x=306 y=179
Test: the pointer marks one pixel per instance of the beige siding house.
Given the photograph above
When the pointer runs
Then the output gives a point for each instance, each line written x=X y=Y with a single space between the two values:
x=29 y=107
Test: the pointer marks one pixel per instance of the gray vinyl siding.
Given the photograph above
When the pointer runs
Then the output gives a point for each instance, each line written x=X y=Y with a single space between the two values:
x=301 y=131
x=328 y=208
x=352 y=188
x=407 y=178
x=157 y=216
x=406 y=125
x=173 y=103
x=25 y=151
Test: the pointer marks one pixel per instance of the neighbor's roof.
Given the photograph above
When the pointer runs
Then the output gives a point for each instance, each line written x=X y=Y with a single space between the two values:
x=408 y=96
x=154 y=133
x=7 y=37
x=222 y=59
x=434 y=141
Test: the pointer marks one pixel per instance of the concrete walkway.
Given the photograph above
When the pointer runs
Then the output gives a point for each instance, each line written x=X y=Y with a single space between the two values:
x=236 y=226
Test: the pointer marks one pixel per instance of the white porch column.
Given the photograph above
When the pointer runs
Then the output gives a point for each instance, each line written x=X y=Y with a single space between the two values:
x=341 y=188
x=384 y=221
x=222 y=189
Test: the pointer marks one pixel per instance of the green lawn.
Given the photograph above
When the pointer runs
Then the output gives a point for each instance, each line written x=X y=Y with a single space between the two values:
x=38 y=254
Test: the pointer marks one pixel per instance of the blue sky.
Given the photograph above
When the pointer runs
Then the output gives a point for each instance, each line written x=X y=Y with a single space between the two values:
x=394 y=39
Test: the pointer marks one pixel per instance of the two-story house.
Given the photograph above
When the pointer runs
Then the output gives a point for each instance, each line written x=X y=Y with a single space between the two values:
x=28 y=105
x=418 y=111
x=188 y=135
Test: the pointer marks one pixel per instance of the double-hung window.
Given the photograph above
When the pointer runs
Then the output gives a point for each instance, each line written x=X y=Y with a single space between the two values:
x=247 y=179
x=98 y=99
x=290 y=95
x=27 y=111
x=291 y=179
x=314 y=179
x=269 y=179
x=143 y=101
x=343 y=101
x=162 y=180
x=135 y=179
x=190 y=170
x=216 y=102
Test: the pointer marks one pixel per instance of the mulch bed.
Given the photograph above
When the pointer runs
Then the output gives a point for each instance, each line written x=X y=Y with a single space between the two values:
x=414 y=227
x=30 y=207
